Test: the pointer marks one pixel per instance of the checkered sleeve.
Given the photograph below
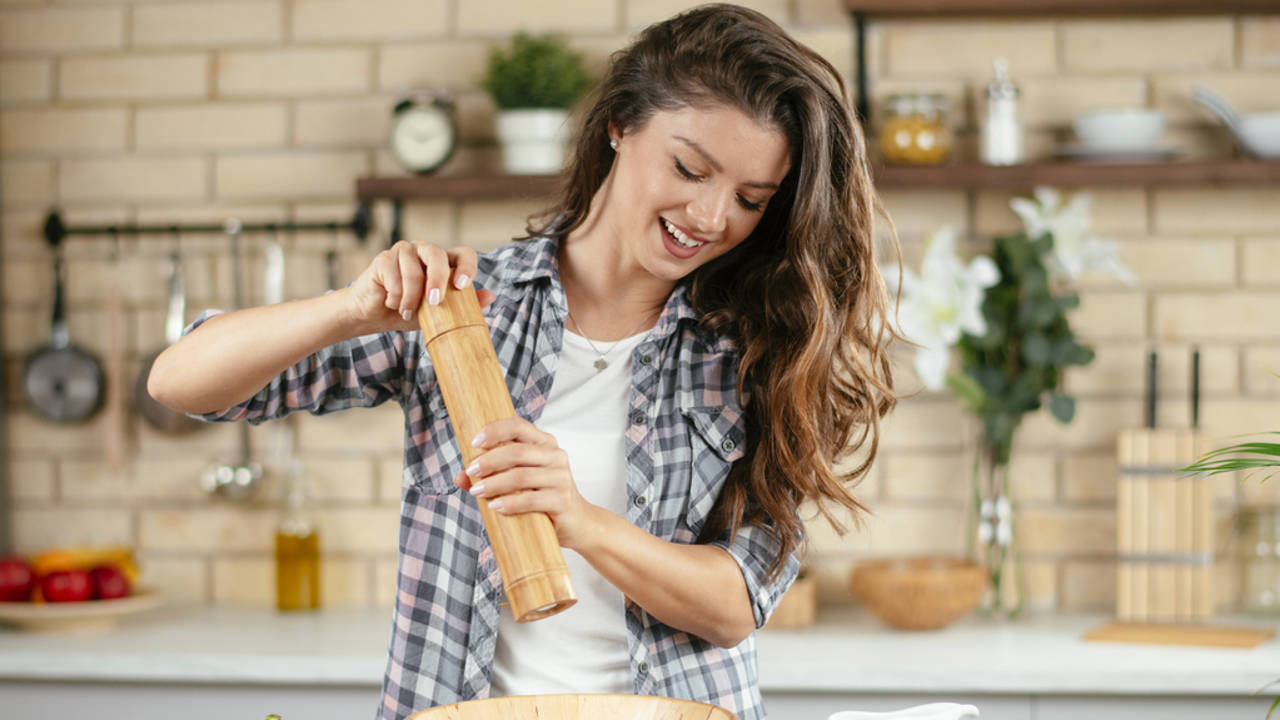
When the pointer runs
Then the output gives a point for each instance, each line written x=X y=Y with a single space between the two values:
x=359 y=372
x=754 y=549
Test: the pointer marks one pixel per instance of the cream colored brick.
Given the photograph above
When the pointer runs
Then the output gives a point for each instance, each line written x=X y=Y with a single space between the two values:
x=1261 y=366
x=214 y=443
x=194 y=246
x=1247 y=91
x=340 y=480
x=923 y=424
x=31 y=480
x=1169 y=262
x=820 y=12
x=182 y=579
x=360 y=529
x=896 y=530
x=25 y=81
x=487 y=224
x=1067 y=530
x=1224 y=419
x=965 y=49
x=62 y=130
x=369 y=19
x=386 y=580
x=1054 y=101
x=1260 y=42
x=1238 y=315
x=207 y=24
x=344 y=242
x=455 y=64
x=134 y=77
x=1239 y=208
x=1115 y=210
x=289 y=175
x=35 y=530
x=919 y=476
x=641 y=13
x=1122 y=368
x=919 y=213
x=378 y=430
x=22 y=230
x=431 y=223
x=134 y=178
x=597 y=49
x=305 y=275
x=62 y=29
x=1262 y=486
x=1149 y=44
x=292 y=72
x=1089 y=477
x=217 y=528
x=211 y=126
x=835 y=45
x=1109 y=315
x=1261 y=261
x=359 y=122
x=1094 y=426
x=144 y=479
x=1088 y=586
x=244 y=581
x=27 y=182
x=27 y=283
x=489 y=18
x=390 y=481
x=344 y=583
x=1032 y=476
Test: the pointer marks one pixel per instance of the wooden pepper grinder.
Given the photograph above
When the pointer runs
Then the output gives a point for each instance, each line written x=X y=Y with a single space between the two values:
x=529 y=557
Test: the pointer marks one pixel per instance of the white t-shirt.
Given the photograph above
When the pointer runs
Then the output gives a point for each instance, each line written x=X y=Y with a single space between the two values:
x=584 y=648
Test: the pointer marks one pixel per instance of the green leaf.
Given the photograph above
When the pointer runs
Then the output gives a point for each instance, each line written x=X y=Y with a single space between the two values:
x=968 y=391
x=1274 y=705
x=1063 y=407
x=1037 y=351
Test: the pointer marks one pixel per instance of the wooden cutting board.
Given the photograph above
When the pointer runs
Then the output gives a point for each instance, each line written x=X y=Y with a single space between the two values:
x=1198 y=635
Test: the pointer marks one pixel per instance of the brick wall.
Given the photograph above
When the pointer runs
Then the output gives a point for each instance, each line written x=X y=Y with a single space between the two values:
x=160 y=112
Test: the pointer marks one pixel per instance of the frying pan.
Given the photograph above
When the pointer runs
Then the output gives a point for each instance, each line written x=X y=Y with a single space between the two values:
x=62 y=382
x=170 y=422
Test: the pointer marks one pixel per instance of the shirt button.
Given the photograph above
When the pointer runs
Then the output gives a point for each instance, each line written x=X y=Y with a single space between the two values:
x=728 y=445
x=638 y=418
x=644 y=667
x=641 y=500
x=646 y=359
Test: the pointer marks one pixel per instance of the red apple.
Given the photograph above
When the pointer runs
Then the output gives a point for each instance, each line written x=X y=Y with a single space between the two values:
x=109 y=583
x=67 y=586
x=16 y=579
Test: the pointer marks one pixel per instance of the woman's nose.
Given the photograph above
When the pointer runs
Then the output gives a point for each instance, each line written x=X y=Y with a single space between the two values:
x=708 y=211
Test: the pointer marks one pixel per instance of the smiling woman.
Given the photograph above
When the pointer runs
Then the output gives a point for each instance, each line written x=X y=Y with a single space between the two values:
x=694 y=334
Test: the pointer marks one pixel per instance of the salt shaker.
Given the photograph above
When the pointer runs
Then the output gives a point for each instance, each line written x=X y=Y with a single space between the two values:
x=1002 y=142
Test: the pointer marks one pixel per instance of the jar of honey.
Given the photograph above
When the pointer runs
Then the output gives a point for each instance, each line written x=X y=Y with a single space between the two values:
x=914 y=129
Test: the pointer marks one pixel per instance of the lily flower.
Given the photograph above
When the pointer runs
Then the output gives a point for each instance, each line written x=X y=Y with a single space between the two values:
x=1075 y=249
x=941 y=303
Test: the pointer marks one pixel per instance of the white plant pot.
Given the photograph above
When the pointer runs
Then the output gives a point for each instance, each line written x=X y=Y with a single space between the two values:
x=533 y=141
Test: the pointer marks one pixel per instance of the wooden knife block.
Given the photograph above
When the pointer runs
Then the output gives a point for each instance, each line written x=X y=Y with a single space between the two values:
x=1164 y=528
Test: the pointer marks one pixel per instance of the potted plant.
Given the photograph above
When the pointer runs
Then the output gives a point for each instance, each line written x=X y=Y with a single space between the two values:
x=534 y=81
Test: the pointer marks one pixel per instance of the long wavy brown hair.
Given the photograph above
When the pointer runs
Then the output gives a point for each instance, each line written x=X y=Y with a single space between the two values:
x=802 y=297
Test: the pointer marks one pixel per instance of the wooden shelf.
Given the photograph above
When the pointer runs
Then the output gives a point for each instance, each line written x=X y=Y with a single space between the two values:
x=454 y=187
x=1077 y=174
x=1025 y=8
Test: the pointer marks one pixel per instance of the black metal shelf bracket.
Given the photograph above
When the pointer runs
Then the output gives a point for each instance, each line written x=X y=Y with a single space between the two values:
x=863 y=106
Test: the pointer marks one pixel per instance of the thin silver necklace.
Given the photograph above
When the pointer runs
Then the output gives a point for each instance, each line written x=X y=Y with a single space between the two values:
x=600 y=364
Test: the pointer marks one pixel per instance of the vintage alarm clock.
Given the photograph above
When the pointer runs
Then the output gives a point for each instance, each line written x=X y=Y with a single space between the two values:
x=424 y=133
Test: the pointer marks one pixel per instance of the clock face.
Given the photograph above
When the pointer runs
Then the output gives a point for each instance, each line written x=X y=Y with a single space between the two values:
x=422 y=138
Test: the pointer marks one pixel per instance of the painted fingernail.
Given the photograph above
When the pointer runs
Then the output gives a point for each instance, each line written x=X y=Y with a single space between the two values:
x=461 y=281
x=478 y=440
x=474 y=468
x=406 y=314
x=433 y=297
x=477 y=489
x=495 y=505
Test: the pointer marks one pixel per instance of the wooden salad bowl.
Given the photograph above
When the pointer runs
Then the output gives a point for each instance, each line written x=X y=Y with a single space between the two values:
x=576 y=707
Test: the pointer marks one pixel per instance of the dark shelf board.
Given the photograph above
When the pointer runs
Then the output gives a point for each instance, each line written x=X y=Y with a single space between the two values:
x=1077 y=174
x=1025 y=8
x=455 y=186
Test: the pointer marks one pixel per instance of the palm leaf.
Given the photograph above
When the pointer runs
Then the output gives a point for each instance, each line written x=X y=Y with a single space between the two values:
x=1242 y=456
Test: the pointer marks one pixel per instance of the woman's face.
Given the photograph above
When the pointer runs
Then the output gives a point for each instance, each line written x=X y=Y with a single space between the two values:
x=691 y=184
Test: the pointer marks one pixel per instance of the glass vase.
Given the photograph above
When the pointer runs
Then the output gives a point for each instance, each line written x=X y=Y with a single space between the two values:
x=993 y=537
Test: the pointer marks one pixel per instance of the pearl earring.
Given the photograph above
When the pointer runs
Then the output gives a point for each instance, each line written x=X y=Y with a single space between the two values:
x=613 y=144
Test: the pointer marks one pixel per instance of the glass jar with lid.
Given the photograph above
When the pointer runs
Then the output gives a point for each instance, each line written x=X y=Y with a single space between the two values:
x=914 y=129
x=1258 y=553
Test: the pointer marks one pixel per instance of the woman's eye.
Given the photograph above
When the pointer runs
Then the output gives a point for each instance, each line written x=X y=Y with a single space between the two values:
x=684 y=171
x=752 y=206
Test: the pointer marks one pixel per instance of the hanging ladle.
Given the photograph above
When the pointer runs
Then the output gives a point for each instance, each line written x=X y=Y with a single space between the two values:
x=241 y=480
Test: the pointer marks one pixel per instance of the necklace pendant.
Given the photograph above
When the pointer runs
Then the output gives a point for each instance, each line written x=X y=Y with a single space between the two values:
x=600 y=364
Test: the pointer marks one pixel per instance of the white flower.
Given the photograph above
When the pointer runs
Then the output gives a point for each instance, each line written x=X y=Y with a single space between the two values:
x=1075 y=250
x=942 y=302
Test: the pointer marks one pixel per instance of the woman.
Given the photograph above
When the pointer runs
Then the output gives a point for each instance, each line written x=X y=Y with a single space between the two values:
x=692 y=337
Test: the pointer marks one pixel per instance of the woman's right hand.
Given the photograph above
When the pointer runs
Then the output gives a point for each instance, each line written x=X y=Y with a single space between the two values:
x=387 y=294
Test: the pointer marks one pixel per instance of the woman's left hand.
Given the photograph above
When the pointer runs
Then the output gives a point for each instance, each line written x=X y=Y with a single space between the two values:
x=523 y=469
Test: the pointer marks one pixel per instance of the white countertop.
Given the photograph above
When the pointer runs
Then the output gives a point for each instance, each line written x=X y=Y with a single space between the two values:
x=846 y=652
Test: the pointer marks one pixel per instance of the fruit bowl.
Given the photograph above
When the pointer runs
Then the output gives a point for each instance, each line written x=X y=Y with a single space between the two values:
x=89 y=615
x=919 y=593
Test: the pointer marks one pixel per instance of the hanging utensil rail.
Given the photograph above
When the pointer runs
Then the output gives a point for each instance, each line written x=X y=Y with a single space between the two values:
x=55 y=230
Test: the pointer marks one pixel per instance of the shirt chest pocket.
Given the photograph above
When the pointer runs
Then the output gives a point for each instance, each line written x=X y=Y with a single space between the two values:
x=716 y=440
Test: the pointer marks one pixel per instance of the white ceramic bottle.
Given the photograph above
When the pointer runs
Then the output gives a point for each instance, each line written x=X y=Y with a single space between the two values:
x=1002 y=132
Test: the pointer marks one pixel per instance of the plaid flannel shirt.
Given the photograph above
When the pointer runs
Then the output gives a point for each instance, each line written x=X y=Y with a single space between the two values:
x=685 y=429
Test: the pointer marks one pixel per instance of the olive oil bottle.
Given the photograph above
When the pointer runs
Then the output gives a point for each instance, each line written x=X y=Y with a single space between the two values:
x=297 y=549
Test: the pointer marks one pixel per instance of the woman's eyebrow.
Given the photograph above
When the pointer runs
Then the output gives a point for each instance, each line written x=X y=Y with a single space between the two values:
x=717 y=167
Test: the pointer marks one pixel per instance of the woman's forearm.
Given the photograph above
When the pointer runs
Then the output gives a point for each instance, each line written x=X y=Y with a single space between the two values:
x=232 y=356
x=695 y=588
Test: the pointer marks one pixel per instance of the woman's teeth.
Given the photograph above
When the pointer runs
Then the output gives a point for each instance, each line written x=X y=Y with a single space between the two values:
x=681 y=239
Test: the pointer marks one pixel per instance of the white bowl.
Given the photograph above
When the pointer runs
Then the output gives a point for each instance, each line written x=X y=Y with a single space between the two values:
x=1122 y=129
x=1260 y=132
